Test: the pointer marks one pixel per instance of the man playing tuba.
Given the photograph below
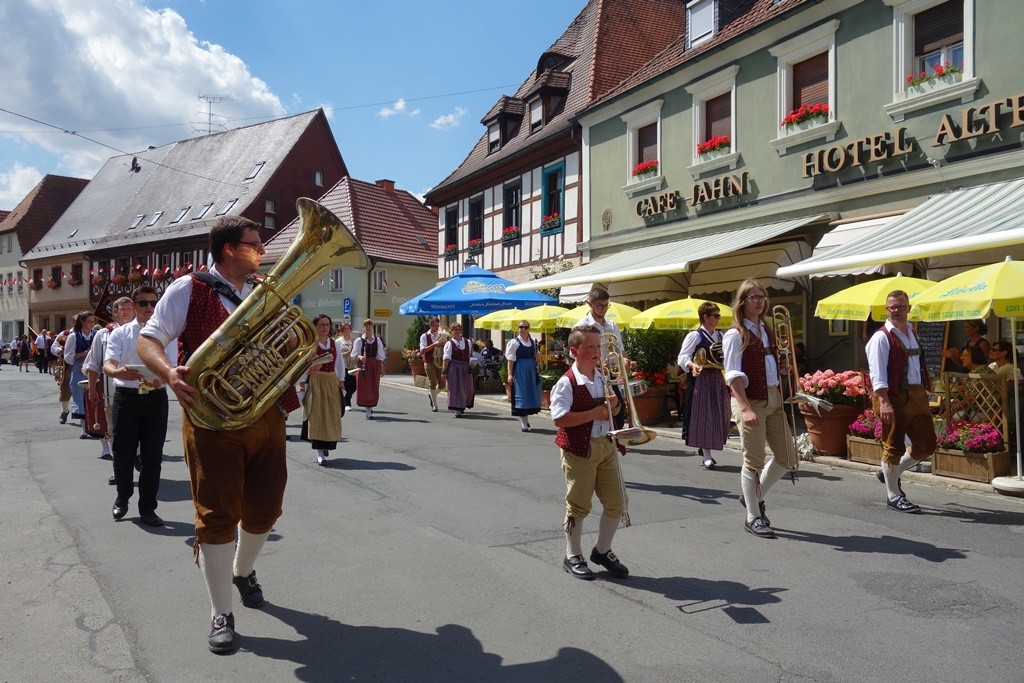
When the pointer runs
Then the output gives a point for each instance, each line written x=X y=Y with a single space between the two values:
x=238 y=477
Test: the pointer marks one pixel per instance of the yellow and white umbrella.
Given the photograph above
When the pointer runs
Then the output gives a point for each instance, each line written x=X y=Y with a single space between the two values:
x=505 y=319
x=971 y=295
x=868 y=298
x=680 y=314
x=620 y=314
x=542 y=318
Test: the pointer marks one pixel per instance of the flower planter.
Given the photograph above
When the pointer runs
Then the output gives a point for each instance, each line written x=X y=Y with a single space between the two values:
x=983 y=467
x=936 y=83
x=417 y=367
x=867 y=451
x=545 y=398
x=828 y=431
x=551 y=225
x=805 y=125
x=650 y=405
x=714 y=154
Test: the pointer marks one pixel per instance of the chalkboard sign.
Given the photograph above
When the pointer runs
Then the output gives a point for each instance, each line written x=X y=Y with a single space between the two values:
x=933 y=338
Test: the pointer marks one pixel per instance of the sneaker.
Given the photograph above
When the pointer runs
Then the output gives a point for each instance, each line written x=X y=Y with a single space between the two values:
x=899 y=482
x=222 y=633
x=761 y=507
x=577 y=566
x=609 y=562
x=249 y=589
x=901 y=504
x=759 y=528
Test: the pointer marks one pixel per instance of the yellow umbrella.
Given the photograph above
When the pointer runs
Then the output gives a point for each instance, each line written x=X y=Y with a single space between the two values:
x=971 y=295
x=680 y=314
x=868 y=298
x=621 y=314
x=542 y=318
x=499 y=320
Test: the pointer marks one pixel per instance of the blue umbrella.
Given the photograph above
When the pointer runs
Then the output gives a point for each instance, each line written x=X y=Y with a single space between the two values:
x=474 y=291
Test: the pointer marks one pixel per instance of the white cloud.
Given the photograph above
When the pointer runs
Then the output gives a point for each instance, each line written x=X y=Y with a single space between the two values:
x=449 y=121
x=17 y=183
x=128 y=77
x=388 y=112
x=328 y=110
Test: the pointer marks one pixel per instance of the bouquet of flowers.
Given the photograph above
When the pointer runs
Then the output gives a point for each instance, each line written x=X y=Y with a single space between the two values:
x=866 y=426
x=715 y=143
x=971 y=437
x=838 y=388
x=645 y=167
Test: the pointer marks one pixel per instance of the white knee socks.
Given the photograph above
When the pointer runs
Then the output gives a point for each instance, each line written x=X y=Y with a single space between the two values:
x=574 y=540
x=606 y=532
x=249 y=547
x=215 y=561
x=748 y=483
x=771 y=474
x=524 y=420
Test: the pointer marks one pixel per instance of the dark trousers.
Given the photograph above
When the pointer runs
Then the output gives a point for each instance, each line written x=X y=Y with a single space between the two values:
x=140 y=427
x=350 y=388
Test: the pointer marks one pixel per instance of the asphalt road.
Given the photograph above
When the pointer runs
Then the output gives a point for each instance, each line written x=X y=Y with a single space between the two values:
x=430 y=549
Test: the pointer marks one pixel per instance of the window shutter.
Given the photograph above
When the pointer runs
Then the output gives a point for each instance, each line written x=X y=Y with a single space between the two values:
x=941 y=25
x=718 y=116
x=810 y=81
x=647 y=143
x=700 y=20
x=536 y=113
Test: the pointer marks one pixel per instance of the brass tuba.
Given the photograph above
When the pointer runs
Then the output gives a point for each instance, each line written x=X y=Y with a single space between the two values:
x=714 y=360
x=267 y=342
x=443 y=335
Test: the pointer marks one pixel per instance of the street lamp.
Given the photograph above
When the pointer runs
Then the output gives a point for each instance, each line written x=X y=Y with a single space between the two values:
x=470 y=262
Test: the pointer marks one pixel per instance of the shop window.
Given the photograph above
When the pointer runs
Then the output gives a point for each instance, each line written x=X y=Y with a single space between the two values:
x=928 y=34
x=714 y=101
x=552 y=199
x=700 y=21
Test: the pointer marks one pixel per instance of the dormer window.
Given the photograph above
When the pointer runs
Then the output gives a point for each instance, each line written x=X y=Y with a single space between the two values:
x=493 y=138
x=536 y=115
x=700 y=21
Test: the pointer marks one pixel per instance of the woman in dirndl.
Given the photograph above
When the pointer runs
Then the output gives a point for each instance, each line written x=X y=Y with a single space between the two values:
x=706 y=407
x=369 y=352
x=76 y=348
x=521 y=354
x=322 y=400
x=457 y=352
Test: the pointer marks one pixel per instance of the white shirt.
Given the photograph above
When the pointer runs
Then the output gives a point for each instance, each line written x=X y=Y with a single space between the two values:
x=608 y=327
x=732 y=349
x=360 y=341
x=561 y=398
x=71 y=344
x=423 y=339
x=171 y=315
x=94 y=359
x=339 y=362
x=513 y=346
x=451 y=343
x=690 y=345
x=877 y=350
x=122 y=348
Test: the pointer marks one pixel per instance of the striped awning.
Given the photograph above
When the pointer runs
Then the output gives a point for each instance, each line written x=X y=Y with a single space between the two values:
x=665 y=258
x=951 y=223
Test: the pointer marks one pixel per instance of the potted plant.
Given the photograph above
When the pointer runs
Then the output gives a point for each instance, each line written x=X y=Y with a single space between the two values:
x=161 y=274
x=552 y=221
x=548 y=380
x=182 y=270
x=848 y=396
x=942 y=75
x=862 y=439
x=74 y=281
x=645 y=169
x=98 y=280
x=53 y=283
x=718 y=145
x=651 y=350
x=805 y=116
x=412 y=345
x=35 y=284
x=451 y=251
x=118 y=280
x=135 y=276
x=970 y=450
x=511 y=234
x=475 y=245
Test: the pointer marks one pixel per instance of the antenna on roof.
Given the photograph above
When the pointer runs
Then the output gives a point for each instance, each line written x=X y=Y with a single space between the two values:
x=210 y=101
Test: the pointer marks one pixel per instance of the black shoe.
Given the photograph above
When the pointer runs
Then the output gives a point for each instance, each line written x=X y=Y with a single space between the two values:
x=151 y=519
x=112 y=481
x=609 y=562
x=899 y=482
x=759 y=528
x=119 y=510
x=761 y=507
x=432 y=406
x=903 y=505
x=709 y=464
x=577 y=566
x=64 y=417
x=106 y=456
x=251 y=592
x=222 y=634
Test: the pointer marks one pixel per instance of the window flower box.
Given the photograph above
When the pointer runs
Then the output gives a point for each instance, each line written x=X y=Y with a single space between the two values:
x=98 y=280
x=645 y=169
x=511 y=235
x=551 y=222
x=451 y=251
x=74 y=281
x=161 y=274
x=944 y=76
x=118 y=280
x=181 y=271
x=136 y=277
x=476 y=246
x=717 y=146
x=35 y=284
x=984 y=459
x=805 y=117
x=53 y=283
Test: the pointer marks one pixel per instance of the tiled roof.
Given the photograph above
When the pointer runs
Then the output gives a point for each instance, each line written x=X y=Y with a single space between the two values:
x=759 y=12
x=505 y=105
x=608 y=40
x=3 y=215
x=385 y=221
x=41 y=208
x=194 y=172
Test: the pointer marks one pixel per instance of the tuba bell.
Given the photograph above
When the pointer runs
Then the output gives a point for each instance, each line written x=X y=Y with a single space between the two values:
x=443 y=335
x=714 y=359
x=267 y=343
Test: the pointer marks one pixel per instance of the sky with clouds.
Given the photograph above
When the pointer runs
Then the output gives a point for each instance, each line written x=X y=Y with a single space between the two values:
x=404 y=83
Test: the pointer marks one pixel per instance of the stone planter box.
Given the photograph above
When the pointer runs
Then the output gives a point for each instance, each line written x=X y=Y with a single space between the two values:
x=714 y=154
x=806 y=125
x=867 y=451
x=934 y=84
x=983 y=467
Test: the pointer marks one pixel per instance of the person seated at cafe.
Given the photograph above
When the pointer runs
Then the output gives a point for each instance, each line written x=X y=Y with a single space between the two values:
x=1001 y=356
x=973 y=353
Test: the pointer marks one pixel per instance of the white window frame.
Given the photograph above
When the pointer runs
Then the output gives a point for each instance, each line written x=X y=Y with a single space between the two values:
x=903 y=12
x=690 y=40
x=380 y=279
x=635 y=120
x=337 y=282
x=318 y=178
x=380 y=330
x=813 y=42
x=703 y=90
